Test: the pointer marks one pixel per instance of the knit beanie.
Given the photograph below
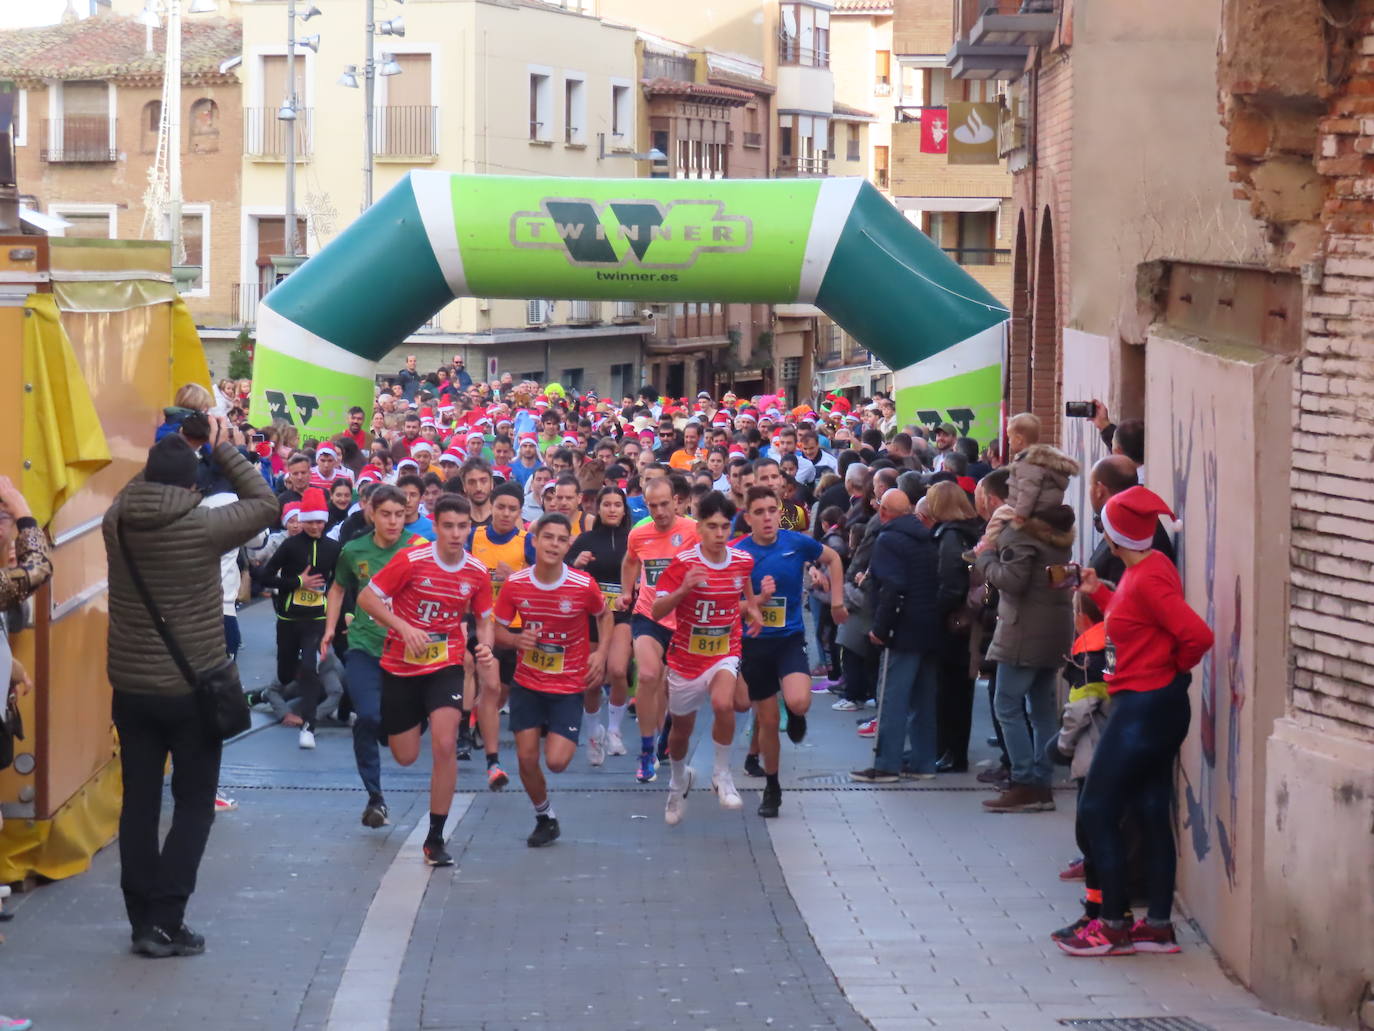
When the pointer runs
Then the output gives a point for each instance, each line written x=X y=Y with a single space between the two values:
x=172 y=461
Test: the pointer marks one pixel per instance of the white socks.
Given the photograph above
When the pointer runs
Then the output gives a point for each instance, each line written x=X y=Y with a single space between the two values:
x=722 y=757
x=678 y=780
x=614 y=716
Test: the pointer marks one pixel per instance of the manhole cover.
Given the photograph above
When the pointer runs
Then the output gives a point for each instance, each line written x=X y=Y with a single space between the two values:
x=1137 y=1024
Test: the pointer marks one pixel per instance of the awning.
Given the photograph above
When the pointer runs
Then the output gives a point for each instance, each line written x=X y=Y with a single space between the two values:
x=949 y=203
x=860 y=376
x=50 y=224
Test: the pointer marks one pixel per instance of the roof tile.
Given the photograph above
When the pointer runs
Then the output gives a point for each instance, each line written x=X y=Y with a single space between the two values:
x=112 y=47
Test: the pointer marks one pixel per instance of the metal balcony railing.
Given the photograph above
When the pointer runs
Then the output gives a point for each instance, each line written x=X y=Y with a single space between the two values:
x=88 y=139
x=584 y=311
x=669 y=66
x=406 y=131
x=244 y=303
x=626 y=310
x=979 y=255
x=264 y=134
x=793 y=167
x=790 y=51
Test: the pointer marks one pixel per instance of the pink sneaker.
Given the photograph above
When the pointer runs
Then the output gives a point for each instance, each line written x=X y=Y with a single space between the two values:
x=1097 y=939
x=1149 y=937
x=15 y=1024
x=868 y=728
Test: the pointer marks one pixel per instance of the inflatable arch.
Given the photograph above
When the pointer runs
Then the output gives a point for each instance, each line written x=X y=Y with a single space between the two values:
x=836 y=243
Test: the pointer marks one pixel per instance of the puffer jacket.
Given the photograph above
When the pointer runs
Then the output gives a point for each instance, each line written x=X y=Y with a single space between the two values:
x=905 y=569
x=1039 y=478
x=177 y=545
x=1034 y=620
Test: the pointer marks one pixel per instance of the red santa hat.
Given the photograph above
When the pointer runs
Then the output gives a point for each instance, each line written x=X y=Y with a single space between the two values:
x=290 y=510
x=1130 y=518
x=530 y=436
x=314 y=509
x=325 y=449
x=369 y=474
x=720 y=419
x=748 y=415
x=422 y=445
x=407 y=463
x=453 y=455
x=426 y=416
x=569 y=440
x=738 y=449
x=477 y=435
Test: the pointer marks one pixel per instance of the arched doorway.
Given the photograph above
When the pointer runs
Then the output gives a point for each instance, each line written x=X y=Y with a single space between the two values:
x=1044 y=355
x=1018 y=373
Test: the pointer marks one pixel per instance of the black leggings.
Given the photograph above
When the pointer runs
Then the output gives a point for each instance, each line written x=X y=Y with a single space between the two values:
x=1134 y=767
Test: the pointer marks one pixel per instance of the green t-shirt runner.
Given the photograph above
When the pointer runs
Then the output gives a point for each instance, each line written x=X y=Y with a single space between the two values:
x=359 y=561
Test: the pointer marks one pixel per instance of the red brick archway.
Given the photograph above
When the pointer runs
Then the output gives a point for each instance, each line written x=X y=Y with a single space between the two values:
x=1018 y=371
x=1044 y=344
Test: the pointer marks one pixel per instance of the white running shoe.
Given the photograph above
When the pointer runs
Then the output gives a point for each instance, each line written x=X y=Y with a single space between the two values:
x=676 y=808
x=615 y=744
x=724 y=784
x=307 y=738
x=596 y=746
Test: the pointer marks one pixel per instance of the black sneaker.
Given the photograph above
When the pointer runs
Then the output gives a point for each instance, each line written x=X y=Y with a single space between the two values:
x=376 y=813
x=436 y=854
x=796 y=727
x=157 y=943
x=545 y=832
x=772 y=799
x=873 y=775
x=753 y=767
x=464 y=748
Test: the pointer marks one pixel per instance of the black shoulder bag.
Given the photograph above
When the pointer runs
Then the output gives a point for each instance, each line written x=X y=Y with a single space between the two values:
x=218 y=691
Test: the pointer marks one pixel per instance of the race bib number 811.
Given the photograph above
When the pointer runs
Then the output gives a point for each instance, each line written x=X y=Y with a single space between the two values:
x=709 y=640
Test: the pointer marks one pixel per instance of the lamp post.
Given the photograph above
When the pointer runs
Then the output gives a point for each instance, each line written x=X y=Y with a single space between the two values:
x=289 y=114
x=390 y=27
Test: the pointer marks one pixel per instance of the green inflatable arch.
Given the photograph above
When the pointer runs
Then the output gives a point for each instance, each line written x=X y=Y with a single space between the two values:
x=836 y=243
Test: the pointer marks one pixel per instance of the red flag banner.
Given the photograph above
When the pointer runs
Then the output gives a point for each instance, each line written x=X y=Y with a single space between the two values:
x=934 y=130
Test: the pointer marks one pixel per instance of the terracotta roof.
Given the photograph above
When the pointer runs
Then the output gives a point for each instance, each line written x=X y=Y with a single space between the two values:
x=864 y=6
x=700 y=90
x=112 y=47
x=853 y=112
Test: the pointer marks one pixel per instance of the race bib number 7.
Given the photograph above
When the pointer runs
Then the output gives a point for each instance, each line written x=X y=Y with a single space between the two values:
x=436 y=651
x=709 y=640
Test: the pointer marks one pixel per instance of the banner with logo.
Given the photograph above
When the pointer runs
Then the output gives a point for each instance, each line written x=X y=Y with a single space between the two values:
x=934 y=130
x=836 y=243
x=973 y=133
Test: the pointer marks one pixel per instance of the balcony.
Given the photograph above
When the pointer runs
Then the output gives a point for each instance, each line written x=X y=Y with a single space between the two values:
x=584 y=313
x=625 y=311
x=265 y=135
x=244 y=304
x=79 y=139
x=697 y=328
x=979 y=255
x=406 y=132
x=803 y=167
x=790 y=51
x=992 y=38
x=669 y=66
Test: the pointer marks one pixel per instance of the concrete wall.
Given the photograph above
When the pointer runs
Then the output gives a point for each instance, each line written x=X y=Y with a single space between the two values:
x=743 y=27
x=854 y=44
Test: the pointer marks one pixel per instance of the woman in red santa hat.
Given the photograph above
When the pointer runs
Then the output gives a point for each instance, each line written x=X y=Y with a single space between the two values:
x=1153 y=639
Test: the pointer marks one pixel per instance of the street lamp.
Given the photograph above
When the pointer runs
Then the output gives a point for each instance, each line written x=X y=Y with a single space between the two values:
x=370 y=70
x=288 y=113
x=655 y=155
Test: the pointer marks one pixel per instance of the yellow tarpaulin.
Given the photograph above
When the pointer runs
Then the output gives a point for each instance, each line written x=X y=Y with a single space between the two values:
x=63 y=846
x=64 y=444
x=188 y=355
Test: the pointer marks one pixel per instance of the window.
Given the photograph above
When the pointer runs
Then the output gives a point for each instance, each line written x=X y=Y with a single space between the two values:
x=88 y=221
x=622 y=381
x=571 y=379
x=804 y=35
x=830 y=151
x=882 y=68
x=574 y=111
x=406 y=125
x=204 y=127
x=84 y=130
x=195 y=231
x=880 y=155
x=149 y=124
x=622 y=113
x=852 y=152
x=541 y=107
x=265 y=134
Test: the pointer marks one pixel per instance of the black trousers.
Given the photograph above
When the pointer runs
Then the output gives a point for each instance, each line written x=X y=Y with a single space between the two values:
x=158 y=878
x=954 y=702
x=298 y=659
x=860 y=674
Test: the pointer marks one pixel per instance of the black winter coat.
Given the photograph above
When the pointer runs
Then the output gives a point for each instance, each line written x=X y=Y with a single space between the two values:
x=905 y=571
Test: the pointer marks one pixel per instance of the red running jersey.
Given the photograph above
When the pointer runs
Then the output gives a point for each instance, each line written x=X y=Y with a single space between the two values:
x=555 y=615
x=655 y=549
x=708 y=618
x=435 y=598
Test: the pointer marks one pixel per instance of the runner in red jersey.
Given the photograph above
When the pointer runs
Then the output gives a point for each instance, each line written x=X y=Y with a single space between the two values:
x=553 y=667
x=421 y=597
x=650 y=549
x=703 y=586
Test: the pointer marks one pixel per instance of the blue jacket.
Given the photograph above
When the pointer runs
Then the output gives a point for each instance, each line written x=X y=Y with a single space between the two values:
x=905 y=571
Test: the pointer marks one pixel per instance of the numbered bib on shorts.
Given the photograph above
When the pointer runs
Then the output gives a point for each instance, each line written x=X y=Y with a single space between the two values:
x=775 y=613
x=547 y=658
x=436 y=651
x=709 y=640
x=306 y=598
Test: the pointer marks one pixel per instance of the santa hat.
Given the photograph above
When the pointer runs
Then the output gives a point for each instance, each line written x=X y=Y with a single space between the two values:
x=314 y=509
x=325 y=449
x=422 y=445
x=476 y=435
x=290 y=510
x=407 y=463
x=426 y=416
x=1130 y=518
x=533 y=438
x=569 y=440
x=451 y=455
x=747 y=416
x=369 y=474
x=738 y=449
x=720 y=419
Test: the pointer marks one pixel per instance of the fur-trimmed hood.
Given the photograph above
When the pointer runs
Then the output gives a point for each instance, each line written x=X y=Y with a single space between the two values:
x=1050 y=457
x=1050 y=528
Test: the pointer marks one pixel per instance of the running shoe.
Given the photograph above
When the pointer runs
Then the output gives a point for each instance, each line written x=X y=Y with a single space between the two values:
x=157 y=943
x=648 y=768
x=845 y=705
x=752 y=766
x=1097 y=939
x=496 y=778
x=724 y=785
x=376 y=813
x=873 y=775
x=307 y=738
x=615 y=744
x=772 y=800
x=1072 y=931
x=596 y=746
x=15 y=1024
x=1148 y=937
x=676 y=807
x=1072 y=872
x=545 y=832
x=796 y=727
x=223 y=804
x=868 y=728
x=464 y=749
x=436 y=854
x=824 y=685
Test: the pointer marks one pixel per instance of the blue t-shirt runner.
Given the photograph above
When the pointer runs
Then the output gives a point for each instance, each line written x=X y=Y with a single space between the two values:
x=783 y=560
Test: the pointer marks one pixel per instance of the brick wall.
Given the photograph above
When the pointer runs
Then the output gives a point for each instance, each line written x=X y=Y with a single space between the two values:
x=931 y=175
x=922 y=26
